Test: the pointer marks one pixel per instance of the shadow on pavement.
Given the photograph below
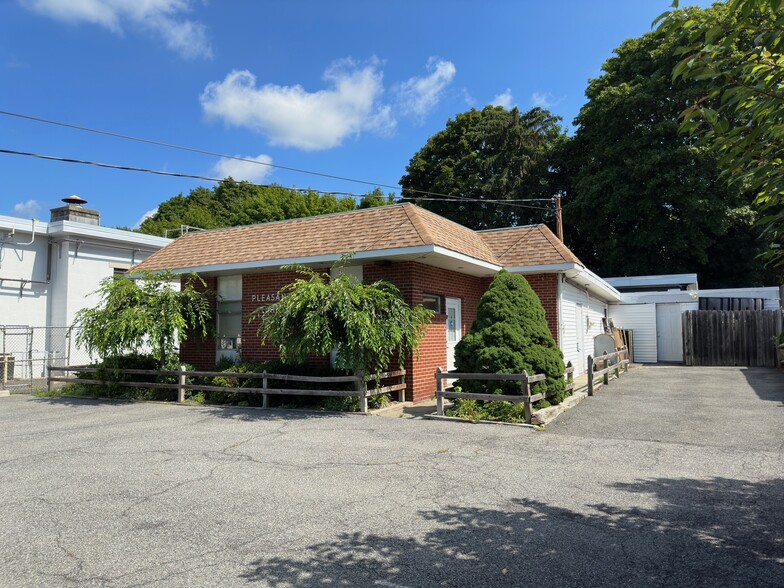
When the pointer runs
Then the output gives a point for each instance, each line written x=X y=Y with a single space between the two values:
x=767 y=383
x=236 y=413
x=716 y=532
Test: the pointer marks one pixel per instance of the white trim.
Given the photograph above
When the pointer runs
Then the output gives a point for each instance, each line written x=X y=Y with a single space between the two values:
x=663 y=280
x=466 y=258
x=70 y=228
x=598 y=285
x=333 y=257
x=584 y=277
x=542 y=269
x=99 y=232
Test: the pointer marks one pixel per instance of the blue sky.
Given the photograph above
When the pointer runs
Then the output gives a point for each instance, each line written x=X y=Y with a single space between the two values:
x=348 y=88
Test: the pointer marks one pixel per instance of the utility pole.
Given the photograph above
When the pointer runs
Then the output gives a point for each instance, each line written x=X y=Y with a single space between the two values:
x=558 y=218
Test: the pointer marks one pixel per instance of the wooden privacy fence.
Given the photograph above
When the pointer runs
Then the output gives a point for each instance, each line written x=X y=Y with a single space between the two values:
x=607 y=363
x=525 y=380
x=361 y=389
x=730 y=337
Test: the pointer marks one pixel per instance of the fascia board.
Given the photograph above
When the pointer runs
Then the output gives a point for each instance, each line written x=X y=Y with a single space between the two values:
x=69 y=228
x=316 y=259
x=543 y=269
x=333 y=257
x=466 y=258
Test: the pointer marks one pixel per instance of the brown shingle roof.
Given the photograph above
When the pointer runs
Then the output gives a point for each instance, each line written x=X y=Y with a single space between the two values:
x=527 y=246
x=373 y=229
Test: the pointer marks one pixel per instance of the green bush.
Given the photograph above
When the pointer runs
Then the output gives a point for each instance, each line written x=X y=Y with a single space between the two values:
x=510 y=334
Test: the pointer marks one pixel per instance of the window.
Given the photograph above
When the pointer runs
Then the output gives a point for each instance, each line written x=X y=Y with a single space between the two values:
x=229 y=313
x=432 y=302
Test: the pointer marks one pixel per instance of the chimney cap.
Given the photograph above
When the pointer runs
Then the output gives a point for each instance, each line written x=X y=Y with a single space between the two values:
x=74 y=199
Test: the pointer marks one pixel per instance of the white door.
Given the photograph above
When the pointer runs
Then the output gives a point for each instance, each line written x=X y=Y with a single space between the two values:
x=454 y=330
x=669 y=342
x=579 y=335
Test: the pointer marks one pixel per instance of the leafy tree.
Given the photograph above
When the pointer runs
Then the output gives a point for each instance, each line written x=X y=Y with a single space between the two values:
x=740 y=117
x=231 y=204
x=487 y=155
x=143 y=309
x=376 y=198
x=368 y=324
x=510 y=334
x=642 y=197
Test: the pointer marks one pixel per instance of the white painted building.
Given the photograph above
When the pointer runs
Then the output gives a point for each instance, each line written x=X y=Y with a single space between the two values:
x=49 y=271
x=584 y=300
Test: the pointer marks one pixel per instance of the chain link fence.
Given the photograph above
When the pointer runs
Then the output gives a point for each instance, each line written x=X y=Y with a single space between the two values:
x=25 y=353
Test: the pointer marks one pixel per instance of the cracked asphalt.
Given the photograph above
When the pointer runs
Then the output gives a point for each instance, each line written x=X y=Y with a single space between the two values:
x=670 y=476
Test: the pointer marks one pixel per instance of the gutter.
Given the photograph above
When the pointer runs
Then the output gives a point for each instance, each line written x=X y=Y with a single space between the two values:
x=575 y=273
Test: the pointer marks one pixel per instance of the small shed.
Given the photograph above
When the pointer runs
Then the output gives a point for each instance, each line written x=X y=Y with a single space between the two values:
x=651 y=307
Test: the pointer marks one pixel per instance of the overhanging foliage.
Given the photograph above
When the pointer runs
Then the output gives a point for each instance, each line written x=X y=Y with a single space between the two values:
x=143 y=309
x=367 y=324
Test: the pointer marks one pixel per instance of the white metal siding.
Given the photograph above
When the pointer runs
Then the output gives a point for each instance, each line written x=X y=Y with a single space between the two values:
x=593 y=313
x=641 y=320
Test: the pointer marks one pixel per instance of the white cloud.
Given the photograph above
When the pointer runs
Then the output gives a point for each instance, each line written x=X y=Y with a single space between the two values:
x=293 y=117
x=144 y=217
x=27 y=209
x=542 y=99
x=504 y=99
x=244 y=170
x=419 y=95
x=162 y=18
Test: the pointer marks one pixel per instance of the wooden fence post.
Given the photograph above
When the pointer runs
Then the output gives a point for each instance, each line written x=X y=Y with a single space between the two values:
x=362 y=389
x=181 y=385
x=527 y=405
x=590 y=376
x=606 y=364
x=617 y=364
x=49 y=378
x=264 y=397
x=439 y=392
x=402 y=393
x=570 y=378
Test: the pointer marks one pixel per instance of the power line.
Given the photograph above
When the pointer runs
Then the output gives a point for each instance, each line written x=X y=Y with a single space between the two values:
x=219 y=180
x=237 y=158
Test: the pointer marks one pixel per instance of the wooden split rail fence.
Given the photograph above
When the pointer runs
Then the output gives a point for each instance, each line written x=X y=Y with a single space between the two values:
x=525 y=380
x=610 y=363
x=361 y=389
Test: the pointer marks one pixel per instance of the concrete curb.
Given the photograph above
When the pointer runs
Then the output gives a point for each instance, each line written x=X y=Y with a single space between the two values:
x=435 y=417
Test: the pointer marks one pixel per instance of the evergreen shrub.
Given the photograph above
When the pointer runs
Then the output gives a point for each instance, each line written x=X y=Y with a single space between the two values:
x=510 y=334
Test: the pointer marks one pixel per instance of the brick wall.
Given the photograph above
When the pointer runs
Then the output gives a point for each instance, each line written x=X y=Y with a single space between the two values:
x=413 y=279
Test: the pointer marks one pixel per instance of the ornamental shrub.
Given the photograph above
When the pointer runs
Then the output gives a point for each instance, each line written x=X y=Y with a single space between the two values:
x=510 y=334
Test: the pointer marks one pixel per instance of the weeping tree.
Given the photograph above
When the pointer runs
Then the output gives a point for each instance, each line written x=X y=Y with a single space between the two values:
x=143 y=310
x=510 y=334
x=367 y=325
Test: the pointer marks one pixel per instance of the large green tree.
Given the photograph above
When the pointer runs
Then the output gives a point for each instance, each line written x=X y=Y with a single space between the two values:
x=231 y=204
x=741 y=116
x=143 y=310
x=643 y=198
x=487 y=156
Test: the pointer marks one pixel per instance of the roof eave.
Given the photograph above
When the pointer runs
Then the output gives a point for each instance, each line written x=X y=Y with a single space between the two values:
x=478 y=265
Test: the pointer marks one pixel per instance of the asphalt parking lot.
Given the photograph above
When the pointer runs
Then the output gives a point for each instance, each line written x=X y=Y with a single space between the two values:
x=668 y=477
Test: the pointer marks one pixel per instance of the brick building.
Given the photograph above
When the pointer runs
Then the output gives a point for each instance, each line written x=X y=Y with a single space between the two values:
x=435 y=262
